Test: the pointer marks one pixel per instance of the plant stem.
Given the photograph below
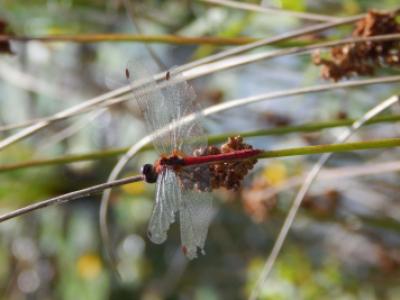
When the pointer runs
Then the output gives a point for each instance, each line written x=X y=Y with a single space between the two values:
x=311 y=127
x=388 y=143
x=65 y=159
x=376 y=144
x=104 y=37
x=272 y=10
x=69 y=196
x=161 y=39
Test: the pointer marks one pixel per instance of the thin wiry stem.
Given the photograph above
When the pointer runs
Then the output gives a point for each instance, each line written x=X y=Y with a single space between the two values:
x=296 y=151
x=295 y=92
x=105 y=237
x=334 y=148
x=203 y=71
x=240 y=60
x=69 y=196
x=140 y=38
x=213 y=139
x=275 y=11
x=312 y=175
x=267 y=41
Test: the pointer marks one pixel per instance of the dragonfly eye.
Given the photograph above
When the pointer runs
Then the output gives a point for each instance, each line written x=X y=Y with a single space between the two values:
x=150 y=175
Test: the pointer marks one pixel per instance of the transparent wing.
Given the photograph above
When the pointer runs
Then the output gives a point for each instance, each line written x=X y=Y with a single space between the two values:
x=195 y=214
x=163 y=105
x=168 y=201
x=181 y=102
x=150 y=100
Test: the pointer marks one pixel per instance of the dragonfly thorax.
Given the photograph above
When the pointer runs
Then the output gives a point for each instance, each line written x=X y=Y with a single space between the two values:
x=174 y=161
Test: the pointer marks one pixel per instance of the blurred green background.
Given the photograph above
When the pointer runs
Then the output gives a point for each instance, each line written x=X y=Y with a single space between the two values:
x=345 y=241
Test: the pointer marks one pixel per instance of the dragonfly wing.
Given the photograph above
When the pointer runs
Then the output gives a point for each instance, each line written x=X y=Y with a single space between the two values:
x=168 y=199
x=196 y=213
x=163 y=105
x=151 y=101
x=181 y=98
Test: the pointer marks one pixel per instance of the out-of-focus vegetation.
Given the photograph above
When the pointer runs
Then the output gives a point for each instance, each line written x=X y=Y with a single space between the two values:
x=345 y=241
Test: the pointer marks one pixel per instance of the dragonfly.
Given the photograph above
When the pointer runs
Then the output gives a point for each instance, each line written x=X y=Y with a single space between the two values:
x=187 y=170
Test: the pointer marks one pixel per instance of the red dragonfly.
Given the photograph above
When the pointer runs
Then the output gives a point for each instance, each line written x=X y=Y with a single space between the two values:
x=187 y=170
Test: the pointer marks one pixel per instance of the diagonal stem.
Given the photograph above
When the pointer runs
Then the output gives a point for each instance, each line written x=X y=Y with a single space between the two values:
x=69 y=196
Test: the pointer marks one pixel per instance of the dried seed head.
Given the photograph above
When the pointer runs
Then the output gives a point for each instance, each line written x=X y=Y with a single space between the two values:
x=363 y=58
x=227 y=174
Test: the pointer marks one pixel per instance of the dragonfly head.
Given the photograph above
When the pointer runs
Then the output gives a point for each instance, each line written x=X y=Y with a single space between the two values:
x=149 y=173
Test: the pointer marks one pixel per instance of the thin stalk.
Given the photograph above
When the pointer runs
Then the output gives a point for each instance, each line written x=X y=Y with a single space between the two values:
x=120 y=37
x=311 y=127
x=272 y=10
x=148 y=39
x=306 y=150
x=69 y=196
x=240 y=60
x=334 y=148
x=65 y=159
x=267 y=41
x=214 y=139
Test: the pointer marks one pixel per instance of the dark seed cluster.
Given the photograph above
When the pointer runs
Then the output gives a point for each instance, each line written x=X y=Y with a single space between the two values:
x=364 y=57
x=195 y=178
x=225 y=174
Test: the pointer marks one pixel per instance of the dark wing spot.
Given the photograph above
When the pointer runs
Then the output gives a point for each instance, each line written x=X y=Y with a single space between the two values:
x=167 y=75
x=127 y=74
